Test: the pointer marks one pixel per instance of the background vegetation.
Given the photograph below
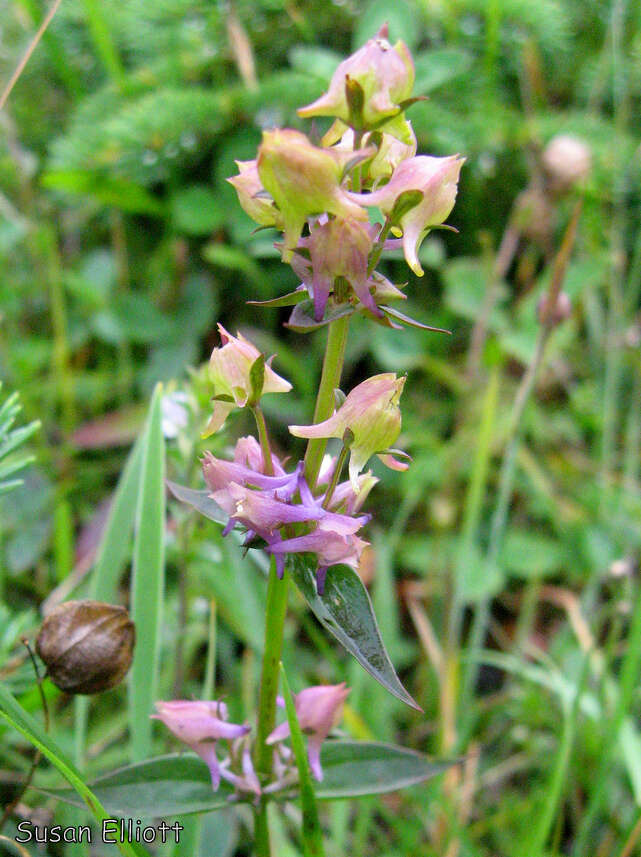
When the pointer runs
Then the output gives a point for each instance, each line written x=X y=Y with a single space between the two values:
x=513 y=610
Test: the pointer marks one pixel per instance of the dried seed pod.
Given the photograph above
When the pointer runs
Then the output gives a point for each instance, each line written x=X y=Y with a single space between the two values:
x=554 y=315
x=566 y=161
x=87 y=645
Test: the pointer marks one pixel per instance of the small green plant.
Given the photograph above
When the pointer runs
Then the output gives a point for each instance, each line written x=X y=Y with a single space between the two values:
x=12 y=459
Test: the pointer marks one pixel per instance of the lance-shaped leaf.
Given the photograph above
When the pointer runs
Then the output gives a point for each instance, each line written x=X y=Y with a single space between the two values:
x=200 y=500
x=412 y=322
x=174 y=785
x=290 y=299
x=346 y=611
x=302 y=319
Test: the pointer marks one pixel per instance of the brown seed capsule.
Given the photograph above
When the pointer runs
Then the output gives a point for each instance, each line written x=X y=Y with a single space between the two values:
x=566 y=161
x=87 y=645
x=557 y=314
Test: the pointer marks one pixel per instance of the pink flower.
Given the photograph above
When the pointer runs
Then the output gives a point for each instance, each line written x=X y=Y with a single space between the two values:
x=200 y=725
x=389 y=152
x=253 y=197
x=372 y=415
x=263 y=505
x=436 y=179
x=385 y=74
x=247 y=781
x=319 y=709
x=337 y=248
x=219 y=474
x=304 y=180
x=230 y=371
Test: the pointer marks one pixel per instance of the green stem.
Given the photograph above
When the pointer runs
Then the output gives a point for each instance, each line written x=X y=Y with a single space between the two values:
x=499 y=521
x=103 y=41
x=63 y=377
x=558 y=777
x=335 y=477
x=330 y=380
x=275 y=621
x=628 y=683
x=377 y=250
x=268 y=465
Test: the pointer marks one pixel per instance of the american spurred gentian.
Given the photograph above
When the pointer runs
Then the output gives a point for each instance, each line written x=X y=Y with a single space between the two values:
x=436 y=179
x=318 y=710
x=372 y=415
x=229 y=369
x=200 y=724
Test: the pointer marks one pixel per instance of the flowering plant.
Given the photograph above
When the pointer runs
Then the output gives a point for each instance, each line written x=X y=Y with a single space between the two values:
x=304 y=514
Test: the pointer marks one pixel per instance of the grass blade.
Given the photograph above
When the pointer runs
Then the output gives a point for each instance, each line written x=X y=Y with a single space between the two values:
x=148 y=581
x=15 y=715
x=312 y=833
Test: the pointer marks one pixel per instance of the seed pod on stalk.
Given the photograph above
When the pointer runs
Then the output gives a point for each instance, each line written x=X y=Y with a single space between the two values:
x=87 y=646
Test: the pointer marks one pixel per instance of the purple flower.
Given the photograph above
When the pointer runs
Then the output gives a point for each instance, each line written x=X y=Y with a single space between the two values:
x=333 y=541
x=263 y=505
x=247 y=781
x=319 y=710
x=200 y=725
x=337 y=248
x=220 y=474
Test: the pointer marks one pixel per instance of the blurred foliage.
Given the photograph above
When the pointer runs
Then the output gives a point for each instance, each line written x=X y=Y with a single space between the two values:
x=122 y=245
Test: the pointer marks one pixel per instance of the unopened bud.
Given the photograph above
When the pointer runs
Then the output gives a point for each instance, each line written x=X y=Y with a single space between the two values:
x=554 y=315
x=566 y=161
x=87 y=646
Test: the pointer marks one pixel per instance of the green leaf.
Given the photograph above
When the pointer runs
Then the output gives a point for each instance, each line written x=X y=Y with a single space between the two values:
x=256 y=380
x=177 y=784
x=119 y=193
x=312 y=833
x=345 y=610
x=315 y=61
x=290 y=299
x=197 y=210
x=200 y=500
x=148 y=581
x=302 y=318
x=114 y=547
x=412 y=322
x=359 y=768
x=435 y=67
x=529 y=555
x=166 y=786
x=112 y=553
x=401 y=16
x=15 y=715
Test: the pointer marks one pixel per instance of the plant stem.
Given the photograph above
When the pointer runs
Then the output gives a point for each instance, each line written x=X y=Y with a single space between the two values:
x=330 y=379
x=268 y=464
x=277 y=589
x=102 y=37
x=558 y=777
x=336 y=475
x=275 y=621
